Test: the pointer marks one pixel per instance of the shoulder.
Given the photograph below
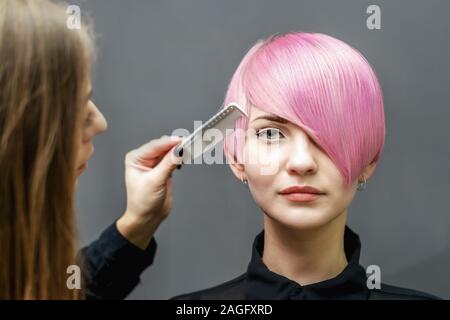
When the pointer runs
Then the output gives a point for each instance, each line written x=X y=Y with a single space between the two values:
x=389 y=292
x=230 y=290
x=234 y=290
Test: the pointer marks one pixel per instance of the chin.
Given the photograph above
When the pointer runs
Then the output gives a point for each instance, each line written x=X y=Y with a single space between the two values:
x=305 y=218
x=301 y=223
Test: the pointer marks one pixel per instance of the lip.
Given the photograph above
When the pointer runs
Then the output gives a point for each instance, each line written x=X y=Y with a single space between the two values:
x=301 y=193
x=301 y=189
x=85 y=165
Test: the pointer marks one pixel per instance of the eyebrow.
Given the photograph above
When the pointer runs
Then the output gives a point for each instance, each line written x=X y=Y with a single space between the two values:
x=270 y=117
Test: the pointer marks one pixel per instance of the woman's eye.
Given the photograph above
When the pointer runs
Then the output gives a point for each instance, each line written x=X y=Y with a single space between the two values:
x=269 y=134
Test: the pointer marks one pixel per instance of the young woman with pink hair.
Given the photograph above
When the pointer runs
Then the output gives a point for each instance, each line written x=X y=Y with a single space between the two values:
x=316 y=118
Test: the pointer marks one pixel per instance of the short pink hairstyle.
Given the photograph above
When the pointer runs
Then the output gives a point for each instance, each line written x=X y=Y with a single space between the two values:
x=322 y=85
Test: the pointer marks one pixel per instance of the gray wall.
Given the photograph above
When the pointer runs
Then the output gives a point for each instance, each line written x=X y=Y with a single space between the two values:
x=163 y=64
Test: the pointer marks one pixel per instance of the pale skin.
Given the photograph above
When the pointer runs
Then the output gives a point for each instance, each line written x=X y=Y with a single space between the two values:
x=303 y=241
x=148 y=178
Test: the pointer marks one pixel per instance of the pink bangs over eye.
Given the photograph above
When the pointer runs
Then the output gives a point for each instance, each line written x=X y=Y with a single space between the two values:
x=320 y=84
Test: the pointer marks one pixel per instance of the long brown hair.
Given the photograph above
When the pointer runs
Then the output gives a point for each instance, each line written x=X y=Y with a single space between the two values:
x=44 y=73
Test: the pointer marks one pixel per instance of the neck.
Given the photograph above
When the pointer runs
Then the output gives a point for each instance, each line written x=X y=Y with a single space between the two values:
x=305 y=256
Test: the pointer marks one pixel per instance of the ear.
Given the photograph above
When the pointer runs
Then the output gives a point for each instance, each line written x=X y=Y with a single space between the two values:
x=237 y=168
x=369 y=170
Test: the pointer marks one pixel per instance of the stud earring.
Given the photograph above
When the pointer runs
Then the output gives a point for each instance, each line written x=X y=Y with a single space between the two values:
x=362 y=184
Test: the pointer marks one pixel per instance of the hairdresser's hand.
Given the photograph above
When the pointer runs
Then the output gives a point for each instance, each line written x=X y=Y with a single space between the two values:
x=148 y=179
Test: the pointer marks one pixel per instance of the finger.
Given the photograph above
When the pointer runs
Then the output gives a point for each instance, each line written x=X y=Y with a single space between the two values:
x=167 y=165
x=149 y=154
x=158 y=147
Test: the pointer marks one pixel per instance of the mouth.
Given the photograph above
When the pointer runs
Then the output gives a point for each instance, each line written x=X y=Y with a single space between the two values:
x=301 y=193
x=85 y=165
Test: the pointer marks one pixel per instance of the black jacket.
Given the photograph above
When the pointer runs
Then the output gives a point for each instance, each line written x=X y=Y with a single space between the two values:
x=112 y=267
x=261 y=283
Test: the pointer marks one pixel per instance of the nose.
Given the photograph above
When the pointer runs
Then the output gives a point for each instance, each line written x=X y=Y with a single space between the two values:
x=301 y=159
x=100 y=124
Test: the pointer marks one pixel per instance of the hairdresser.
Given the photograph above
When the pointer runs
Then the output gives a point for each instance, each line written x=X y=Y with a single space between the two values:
x=47 y=126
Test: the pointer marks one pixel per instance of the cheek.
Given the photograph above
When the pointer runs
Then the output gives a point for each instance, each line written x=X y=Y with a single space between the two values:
x=339 y=196
x=264 y=159
x=261 y=186
x=82 y=145
x=261 y=168
x=256 y=179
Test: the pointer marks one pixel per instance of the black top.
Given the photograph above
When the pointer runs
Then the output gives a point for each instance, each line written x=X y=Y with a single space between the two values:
x=261 y=283
x=112 y=267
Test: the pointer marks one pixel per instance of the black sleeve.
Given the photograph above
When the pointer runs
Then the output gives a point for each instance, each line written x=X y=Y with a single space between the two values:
x=112 y=265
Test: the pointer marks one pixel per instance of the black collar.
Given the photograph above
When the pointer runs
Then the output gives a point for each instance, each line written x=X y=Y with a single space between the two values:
x=261 y=283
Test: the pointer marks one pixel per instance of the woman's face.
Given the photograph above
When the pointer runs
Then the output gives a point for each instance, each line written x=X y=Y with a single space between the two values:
x=280 y=155
x=93 y=124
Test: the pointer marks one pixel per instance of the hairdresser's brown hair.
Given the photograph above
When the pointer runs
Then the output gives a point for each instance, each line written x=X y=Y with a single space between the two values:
x=44 y=74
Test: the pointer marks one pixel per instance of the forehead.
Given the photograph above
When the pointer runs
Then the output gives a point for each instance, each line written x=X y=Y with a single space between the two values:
x=256 y=114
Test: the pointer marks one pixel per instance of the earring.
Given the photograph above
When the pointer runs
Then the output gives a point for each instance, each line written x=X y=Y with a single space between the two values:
x=243 y=180
x=362 y=184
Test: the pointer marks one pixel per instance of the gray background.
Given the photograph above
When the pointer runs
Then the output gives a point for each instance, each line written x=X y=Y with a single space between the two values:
x=163 y=64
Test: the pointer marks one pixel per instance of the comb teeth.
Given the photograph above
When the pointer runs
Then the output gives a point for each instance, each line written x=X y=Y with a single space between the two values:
x=220 y=116
x=212 y=122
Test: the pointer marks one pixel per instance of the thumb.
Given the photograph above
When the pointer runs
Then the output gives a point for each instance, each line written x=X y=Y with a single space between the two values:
x=166 y=166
